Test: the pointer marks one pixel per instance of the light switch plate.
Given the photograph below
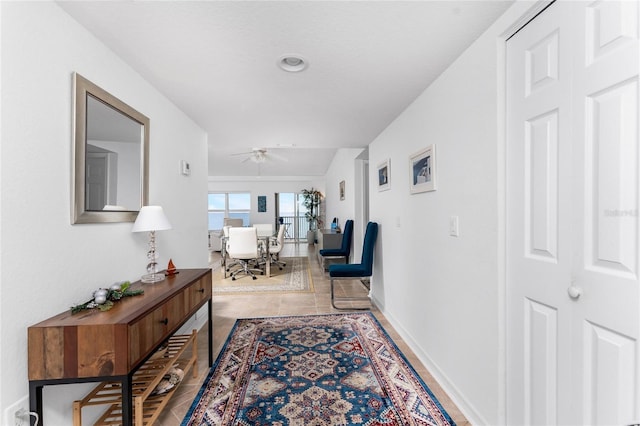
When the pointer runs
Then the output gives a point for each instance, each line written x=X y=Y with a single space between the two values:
x=453 y=226
x=185 y=169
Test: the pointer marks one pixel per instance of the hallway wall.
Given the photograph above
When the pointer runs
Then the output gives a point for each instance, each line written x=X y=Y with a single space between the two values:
x=47 y=264
x=343 y=167
x=444 y=293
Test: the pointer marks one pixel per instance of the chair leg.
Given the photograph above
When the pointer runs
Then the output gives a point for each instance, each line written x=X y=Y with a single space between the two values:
x=229 y=265
x=275 y=260
x=245 y=269
x=334 y=299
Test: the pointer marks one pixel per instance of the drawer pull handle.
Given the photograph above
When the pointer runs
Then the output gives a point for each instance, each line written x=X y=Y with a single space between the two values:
x=165 y=321
x=200 y=290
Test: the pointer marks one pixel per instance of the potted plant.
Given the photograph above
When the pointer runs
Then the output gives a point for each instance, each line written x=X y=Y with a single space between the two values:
x=311 y=199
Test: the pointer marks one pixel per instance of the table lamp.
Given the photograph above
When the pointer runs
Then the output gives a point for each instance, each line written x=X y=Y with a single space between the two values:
x=151 y=219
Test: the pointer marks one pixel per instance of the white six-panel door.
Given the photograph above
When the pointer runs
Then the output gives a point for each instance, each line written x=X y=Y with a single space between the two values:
x=573 y=191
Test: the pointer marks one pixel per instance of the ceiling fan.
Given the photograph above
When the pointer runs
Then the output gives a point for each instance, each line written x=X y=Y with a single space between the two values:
x=260 y=155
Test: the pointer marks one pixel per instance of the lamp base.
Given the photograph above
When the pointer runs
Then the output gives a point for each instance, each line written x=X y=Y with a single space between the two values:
x=152 y=278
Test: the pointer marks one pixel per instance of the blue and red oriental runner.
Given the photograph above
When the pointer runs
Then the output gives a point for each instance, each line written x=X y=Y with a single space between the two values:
x=340 y=369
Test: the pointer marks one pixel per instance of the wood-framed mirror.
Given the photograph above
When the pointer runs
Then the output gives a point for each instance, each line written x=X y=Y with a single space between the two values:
x=111 y=156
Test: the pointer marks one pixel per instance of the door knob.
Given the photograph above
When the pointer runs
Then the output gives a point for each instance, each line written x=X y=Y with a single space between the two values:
x=574 y=292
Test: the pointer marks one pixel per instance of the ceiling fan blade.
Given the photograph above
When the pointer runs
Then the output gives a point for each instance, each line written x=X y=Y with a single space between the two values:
x=258 y=155
x=242 y=153
x=271 y=156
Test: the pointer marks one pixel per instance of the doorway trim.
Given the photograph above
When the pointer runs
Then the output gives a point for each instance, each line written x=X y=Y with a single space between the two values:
x=501 y=76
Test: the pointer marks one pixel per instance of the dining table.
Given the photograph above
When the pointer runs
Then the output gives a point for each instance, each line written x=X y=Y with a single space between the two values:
x=265 y=237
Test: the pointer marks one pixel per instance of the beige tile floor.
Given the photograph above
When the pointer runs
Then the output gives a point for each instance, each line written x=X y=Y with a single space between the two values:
x=228 y=308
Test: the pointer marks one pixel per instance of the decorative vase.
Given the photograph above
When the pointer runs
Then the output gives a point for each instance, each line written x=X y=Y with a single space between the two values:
x=311 y=237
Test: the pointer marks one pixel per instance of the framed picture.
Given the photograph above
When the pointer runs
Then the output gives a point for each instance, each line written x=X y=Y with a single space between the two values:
x=383 y=175
x=422 y=169
x=262 y=203
x=341 y=190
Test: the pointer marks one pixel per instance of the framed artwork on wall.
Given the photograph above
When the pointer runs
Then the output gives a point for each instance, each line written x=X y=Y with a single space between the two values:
x=422 y=169
x=341 y=190
x=262 y=203
x=384 y=175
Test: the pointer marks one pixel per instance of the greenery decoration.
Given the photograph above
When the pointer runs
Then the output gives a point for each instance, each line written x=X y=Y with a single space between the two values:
x=311 y=199
x=104 y=299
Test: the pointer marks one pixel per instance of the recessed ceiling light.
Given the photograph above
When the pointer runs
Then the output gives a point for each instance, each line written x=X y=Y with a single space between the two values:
x=292 y=63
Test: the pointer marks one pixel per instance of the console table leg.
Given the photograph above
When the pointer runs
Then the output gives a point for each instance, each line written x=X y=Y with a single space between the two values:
x=35 y=402
x=127 y=401
x=210 y=305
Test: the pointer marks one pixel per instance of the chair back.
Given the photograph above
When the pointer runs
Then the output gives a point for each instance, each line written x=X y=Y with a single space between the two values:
x=347 y=237
x=242 y=243
x=231 y=221
x=278 y=242
x=264 y=229
x=281 y=230
x=370 y=236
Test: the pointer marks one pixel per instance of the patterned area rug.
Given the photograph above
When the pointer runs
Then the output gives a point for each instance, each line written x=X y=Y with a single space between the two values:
x=313 y=370
x=294 y=277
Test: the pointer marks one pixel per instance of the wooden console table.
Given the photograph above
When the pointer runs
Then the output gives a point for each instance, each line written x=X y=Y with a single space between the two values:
x=95 y=346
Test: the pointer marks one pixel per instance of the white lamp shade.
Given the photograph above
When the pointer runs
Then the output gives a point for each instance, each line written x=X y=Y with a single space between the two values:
x=151 y=218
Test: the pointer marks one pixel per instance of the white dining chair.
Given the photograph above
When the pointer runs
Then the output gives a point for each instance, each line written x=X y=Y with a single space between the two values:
x=275 y=247
x=264 y=229
x=242 y=247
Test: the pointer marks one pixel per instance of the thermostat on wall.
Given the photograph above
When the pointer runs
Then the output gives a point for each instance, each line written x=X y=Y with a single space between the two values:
x=184 y=168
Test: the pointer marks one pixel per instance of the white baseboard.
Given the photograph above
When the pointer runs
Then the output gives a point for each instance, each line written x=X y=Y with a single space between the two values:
x=449 y=388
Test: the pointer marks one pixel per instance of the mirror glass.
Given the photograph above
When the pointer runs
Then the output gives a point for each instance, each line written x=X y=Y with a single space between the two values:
x=111 y=156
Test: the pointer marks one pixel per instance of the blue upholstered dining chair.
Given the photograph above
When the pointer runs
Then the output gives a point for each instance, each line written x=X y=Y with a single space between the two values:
x=360 y=272
x=345 y=248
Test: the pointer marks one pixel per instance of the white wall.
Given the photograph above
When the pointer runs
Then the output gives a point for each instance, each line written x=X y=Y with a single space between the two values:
x=342 y=168
x=264 y=185
x=444 y=294
x=1 y=215
x=47 y=264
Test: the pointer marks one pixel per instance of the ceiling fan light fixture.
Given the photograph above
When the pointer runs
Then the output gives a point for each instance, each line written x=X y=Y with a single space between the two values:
x=259 y=155
x=292 y=63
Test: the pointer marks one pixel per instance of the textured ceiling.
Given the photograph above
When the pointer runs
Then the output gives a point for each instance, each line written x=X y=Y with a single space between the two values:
x=217 y=61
